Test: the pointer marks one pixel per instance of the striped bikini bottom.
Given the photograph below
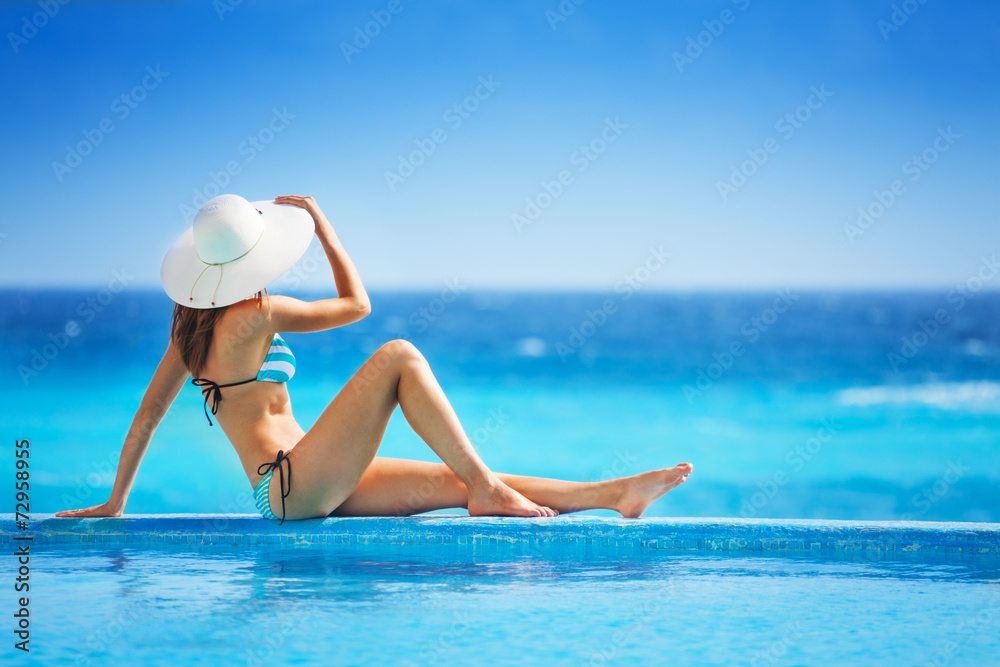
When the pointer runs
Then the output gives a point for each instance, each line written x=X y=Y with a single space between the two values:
x=262 y=490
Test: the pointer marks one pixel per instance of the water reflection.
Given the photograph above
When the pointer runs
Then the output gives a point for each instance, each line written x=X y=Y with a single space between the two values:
x=339 y=601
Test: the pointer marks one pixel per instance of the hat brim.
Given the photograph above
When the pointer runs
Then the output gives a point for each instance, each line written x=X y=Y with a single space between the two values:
x=288 y=230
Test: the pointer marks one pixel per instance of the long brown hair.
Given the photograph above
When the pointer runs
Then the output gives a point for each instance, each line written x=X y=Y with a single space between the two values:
x=192 y=329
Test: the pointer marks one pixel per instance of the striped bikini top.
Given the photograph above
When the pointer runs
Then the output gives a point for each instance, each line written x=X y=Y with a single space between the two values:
x=278 y=366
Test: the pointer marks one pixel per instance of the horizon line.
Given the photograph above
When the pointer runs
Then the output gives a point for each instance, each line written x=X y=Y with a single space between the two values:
x=146 y=288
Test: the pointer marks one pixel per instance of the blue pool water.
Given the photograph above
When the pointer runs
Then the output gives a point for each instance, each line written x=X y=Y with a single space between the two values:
x=413 y=605
x=813 y=418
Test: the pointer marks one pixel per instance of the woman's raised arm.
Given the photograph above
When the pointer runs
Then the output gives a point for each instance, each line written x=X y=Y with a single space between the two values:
x=163 y=389
x=352 y=302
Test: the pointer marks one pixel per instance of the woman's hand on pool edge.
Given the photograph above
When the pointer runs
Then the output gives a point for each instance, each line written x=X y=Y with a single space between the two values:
x=104 y=509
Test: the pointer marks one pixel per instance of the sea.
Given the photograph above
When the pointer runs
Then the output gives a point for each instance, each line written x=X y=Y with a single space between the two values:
x=859 y=405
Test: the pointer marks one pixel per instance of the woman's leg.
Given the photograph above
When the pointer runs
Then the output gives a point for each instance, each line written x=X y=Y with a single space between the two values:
x=331 y=459
x=399 y=487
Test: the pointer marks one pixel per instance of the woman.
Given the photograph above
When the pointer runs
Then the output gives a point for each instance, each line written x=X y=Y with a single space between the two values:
x=226 y=329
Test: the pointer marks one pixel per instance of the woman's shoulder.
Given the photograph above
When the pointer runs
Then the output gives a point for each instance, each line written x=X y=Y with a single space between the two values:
x=245 y=320
x=277 y=308
x=252 y=318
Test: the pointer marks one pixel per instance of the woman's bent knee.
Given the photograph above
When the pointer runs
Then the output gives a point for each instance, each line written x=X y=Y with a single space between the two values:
x=387 y=365
x=399 y=350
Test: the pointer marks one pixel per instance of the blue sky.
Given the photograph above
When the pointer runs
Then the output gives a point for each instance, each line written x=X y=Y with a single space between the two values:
x=667 y=120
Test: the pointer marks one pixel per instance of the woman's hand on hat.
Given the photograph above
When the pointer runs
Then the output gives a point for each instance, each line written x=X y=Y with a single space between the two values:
x=308 y=203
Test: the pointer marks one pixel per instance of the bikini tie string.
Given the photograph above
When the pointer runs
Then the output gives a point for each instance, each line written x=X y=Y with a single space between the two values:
x=265 y=468
x=214 y=391
x=209 y=389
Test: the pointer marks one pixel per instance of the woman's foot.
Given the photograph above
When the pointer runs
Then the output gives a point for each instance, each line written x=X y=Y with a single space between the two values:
x=498 y=499
x=641 y=490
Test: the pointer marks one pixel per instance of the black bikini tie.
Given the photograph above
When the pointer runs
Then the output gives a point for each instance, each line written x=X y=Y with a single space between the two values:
x=215 y=390
x=269 y=467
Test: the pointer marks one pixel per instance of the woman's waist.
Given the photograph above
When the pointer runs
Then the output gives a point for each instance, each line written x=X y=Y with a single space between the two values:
x=260 y=442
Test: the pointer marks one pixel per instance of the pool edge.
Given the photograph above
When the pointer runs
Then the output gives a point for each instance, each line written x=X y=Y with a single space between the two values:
x=701 y=534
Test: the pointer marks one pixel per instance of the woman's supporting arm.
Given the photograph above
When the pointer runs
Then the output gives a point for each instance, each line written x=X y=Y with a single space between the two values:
x=163 y=389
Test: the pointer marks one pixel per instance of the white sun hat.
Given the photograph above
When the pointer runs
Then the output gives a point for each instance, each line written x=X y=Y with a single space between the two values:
x=233 y=250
